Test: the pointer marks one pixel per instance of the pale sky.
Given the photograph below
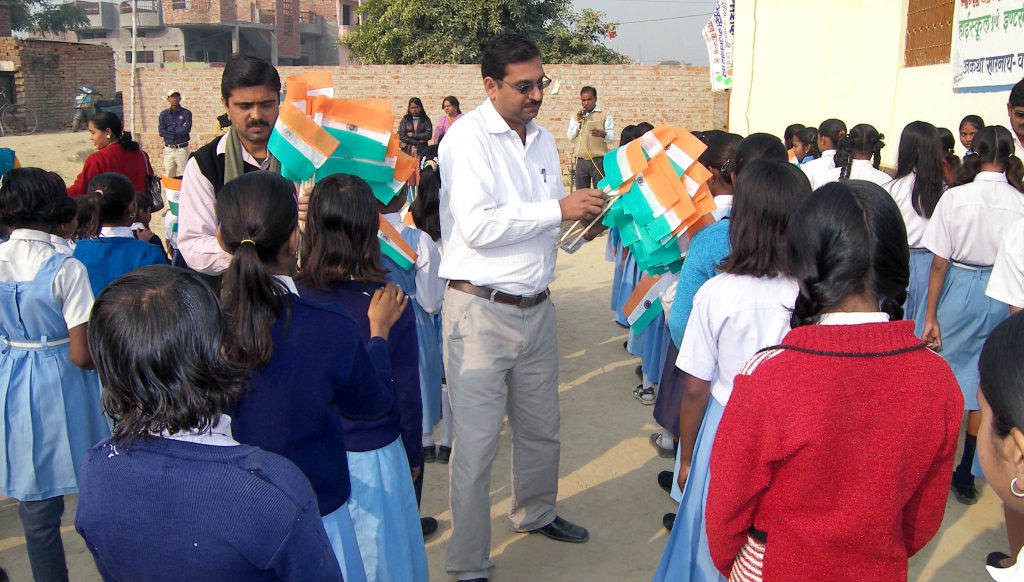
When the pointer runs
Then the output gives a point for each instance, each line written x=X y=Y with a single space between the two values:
x=665 y=37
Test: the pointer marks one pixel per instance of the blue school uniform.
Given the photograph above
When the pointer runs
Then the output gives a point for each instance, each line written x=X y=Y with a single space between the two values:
x=51 y=408
x=630 y=275
x=916 y=305
x=107 y=258
x=613 y=254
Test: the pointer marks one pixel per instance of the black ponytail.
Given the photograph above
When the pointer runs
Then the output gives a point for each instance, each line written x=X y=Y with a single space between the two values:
x=258 y=215
x=847 y=238
x=864 y=141
x=992 y=145
x=110 y=197
x=107 y=121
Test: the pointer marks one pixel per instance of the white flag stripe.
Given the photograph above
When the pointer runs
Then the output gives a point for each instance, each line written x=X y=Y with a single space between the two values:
x=379 y=137
x=680 y=157
x=651 y=198
x=308 y=151
x=651 y=144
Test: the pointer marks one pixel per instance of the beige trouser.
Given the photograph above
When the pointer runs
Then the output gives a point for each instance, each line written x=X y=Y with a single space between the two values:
x=499 y=359
x=174 y=161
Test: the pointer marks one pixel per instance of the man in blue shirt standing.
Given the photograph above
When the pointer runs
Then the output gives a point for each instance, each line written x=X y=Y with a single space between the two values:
x=175 y=125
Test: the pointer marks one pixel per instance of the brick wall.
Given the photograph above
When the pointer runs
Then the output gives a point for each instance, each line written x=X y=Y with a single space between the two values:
x=676 y=95
x=49 y=72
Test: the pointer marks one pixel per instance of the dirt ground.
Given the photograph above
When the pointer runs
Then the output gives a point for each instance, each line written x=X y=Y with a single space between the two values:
x=607 y=466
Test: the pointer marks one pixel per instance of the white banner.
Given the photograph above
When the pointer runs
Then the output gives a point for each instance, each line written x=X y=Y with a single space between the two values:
x=988 y=45
x=718 y=35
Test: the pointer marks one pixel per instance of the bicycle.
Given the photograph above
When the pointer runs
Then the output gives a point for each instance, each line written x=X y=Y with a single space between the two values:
x=16 y=118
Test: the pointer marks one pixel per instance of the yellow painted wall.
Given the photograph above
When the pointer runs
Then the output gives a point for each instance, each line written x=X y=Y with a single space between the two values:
x=803 y=61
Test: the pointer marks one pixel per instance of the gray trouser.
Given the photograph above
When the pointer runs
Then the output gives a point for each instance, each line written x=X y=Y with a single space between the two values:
x=499 y=359
x=587 y=174
x=40 y=521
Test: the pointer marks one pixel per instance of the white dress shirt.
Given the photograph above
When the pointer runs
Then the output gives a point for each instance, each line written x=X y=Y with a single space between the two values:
x=859 y=170
x=62 y=245
x=969 y=220
x=1007 y=281
x=217 y=435
x=609 y=126
x=26 y=251
x=429 y=286
x=499 y=203
x=817 y=170
x=733 y=316
x=197 y=217
x=902 y=191
x=117 y=232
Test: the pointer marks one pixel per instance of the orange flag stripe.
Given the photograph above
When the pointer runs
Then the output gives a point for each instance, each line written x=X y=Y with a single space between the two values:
x=313 y=81
x=308 y=130
x=396 y=238
x=642 y=287
x=361 y=113
x=689 y=143
x=405 y=166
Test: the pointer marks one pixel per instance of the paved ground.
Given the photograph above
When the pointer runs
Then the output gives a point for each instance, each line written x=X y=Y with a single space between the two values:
x=607 y=469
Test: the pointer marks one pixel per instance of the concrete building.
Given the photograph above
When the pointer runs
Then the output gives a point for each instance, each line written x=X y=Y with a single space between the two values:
x=174 y=33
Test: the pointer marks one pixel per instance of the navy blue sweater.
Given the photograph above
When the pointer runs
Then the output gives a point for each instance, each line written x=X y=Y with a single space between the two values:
x=160 y=509
x=407 y=418
x=319 y=370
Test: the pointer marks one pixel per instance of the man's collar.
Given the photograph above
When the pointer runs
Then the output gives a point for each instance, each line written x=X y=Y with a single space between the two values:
x=495 y=123
x=596 y=109
x=222 y=145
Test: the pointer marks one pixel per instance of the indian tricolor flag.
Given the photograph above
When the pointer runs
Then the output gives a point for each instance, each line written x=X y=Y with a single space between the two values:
x=303 y=88
x=654 y=191
x=623 y=163
x=363 y=126
x=644 y=305
x=172 y=194
x=404 y=167
x=299 y=144
x=394 y=246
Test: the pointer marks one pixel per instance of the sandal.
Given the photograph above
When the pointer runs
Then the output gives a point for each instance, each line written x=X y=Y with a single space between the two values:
x=644 y=395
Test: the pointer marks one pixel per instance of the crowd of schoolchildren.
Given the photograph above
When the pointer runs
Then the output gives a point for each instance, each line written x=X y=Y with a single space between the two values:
x=810 y=373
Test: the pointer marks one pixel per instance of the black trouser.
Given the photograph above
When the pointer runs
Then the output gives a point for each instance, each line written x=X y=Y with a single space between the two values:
x=587 y=174
x=40 y=520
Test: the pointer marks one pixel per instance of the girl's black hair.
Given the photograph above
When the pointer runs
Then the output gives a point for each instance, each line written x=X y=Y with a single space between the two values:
x=766 y=195
x=974 y=120
x=849 y=237
x=340 y=242
x=627 y=135
x=642 y=128
x=110 y=196
x=426 y=207
x=454 y=102
x=864 y=141
x=756 y=146
x=156 y=336
x=33 y=197
x=721 y=150
x=809 y=136
x=417 y=101
x=919 y=154
x=833 y=129
x=106 y=120
x=992 y=145
x=1001 y=374
x=791 y=130
x=258 y=214
x=144 y=201
x=84 y=215
x=946 y=139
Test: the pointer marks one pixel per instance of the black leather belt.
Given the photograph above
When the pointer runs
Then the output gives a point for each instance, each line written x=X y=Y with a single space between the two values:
x=177 y=146
x=522 y=301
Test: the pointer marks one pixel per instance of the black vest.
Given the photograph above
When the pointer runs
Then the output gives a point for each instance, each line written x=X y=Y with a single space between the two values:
x=211 y=164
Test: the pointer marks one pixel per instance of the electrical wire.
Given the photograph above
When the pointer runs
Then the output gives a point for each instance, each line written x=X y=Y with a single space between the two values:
x=664 y=19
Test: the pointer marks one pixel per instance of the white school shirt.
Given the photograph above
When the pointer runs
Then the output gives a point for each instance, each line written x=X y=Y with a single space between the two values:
x=116 y=232
x=197 y=217
x=429 y=286
x=969 y=220
x=499 y=203
x=62 y=245
x=733 y=316
x=23 y=255
x=859 y=170
x=817 y=170
x=723 y=206
x=902 y=191
x=217 y=435
x=1007 y=281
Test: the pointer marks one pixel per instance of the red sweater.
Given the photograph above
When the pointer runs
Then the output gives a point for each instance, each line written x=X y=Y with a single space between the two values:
x=843 y=459
x=113 y=158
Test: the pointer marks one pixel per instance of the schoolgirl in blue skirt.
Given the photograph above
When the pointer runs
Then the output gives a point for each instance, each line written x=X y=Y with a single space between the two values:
x=964 y=235
x=918 y=184
x=308 y=363
x=51 y=405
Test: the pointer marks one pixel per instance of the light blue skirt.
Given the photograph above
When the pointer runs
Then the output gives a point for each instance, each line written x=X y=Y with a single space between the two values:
x=384 y=512
x=430 y=368
x=627 y=282
x=656 y=338
x=342 y=534
x=966 y=318
x=917 y=293
x=687 y=557
x=613 y=254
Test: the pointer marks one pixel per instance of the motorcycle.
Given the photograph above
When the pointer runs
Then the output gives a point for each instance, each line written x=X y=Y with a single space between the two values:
x=88 y=104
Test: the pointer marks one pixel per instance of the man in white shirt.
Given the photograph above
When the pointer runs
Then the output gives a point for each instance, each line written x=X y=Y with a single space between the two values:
x=502 y=201
x=593 y=130
x=1015 y=109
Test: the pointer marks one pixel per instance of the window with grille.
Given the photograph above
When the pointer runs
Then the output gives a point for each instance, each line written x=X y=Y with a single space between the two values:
x=143 y=56
x=929 y=32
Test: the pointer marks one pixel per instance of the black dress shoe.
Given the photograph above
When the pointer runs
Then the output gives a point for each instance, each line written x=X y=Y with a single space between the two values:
x=564 y=531
x=665 y=481
x=995 y=560
x=668 y=520
x=444 y=454
x=429 y=526
x=429 y=454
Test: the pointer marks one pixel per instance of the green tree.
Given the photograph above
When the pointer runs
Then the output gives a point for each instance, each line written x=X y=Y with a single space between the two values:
x=45 y=16
x=421 y=31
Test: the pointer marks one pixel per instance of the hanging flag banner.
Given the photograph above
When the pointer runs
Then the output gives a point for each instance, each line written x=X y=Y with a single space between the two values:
x=718 y=36
x=988 y=45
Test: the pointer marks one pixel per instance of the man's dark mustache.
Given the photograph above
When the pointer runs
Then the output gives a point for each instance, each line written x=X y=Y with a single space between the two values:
x=257 y=123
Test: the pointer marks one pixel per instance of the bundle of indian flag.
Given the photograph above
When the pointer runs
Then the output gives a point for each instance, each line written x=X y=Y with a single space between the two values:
x=317 y=135
x=659 y=198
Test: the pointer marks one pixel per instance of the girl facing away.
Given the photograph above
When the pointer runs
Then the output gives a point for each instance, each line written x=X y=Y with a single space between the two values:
x=173 y=495
x=309 y=364
x=859 y=155
x=52 y=412
x=832 y=459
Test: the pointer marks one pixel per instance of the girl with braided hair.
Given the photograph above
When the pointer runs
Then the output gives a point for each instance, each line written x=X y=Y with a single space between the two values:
x=832 y=458
x=859 y=155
